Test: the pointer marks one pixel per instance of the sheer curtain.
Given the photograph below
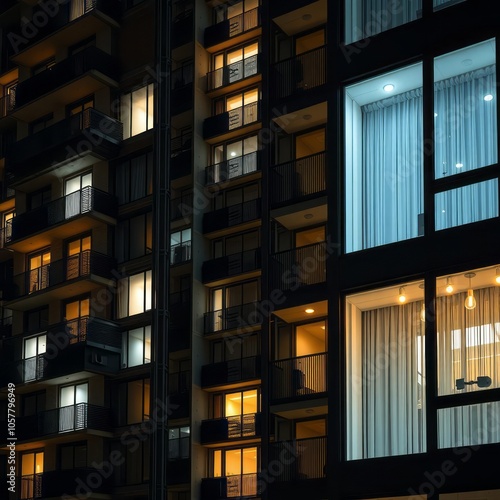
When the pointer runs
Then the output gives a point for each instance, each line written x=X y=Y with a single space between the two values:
x=468 y=347
x=386 y=397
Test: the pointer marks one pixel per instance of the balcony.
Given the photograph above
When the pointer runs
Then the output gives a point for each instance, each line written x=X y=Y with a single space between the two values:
x=231 y=265
x=306 y=459
x=299 y=74
x=299 y=267
x=182 y=25
x=301 y=377
x=60 y=279
x=89 y=137
x=218 y=488
x=242 y=316
x=180 y=155
x=233 y=73
x=233 y=371
x=179 y=471
x=233 y=168
x=232 y=120
x=230 y=428
x=234 y=215
x=78 y=417
x=179 y=384
x=298 y=180
x=59 y=483
x=89 y=206
x=90 y=60
x=59 y=25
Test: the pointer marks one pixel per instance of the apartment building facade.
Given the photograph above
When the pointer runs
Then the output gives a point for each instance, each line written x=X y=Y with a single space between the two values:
x=249 y=249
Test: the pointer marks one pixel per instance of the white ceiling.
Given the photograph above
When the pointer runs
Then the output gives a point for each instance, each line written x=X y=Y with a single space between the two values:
x=410 y=77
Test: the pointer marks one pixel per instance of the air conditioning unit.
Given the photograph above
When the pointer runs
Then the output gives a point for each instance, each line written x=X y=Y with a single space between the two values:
x=99 y=359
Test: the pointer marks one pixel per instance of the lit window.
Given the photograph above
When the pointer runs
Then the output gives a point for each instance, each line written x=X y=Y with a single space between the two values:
x=137 y=111
x=136 y=348
x=134 y=294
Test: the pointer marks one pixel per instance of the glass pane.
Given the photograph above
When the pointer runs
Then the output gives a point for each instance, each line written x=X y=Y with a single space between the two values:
x=217 y=463
x=135 y=347
x=28 y=464
x=469 y=425
x=250 y=402
x=147 y=344
x=81 y=393
x=468 y=331
x=233 y=404
x=136 y=299
x=151 y=107
x=442 y=4
x=148 y=290
x=384 y=160
x=466 y=204
x=139 y=111
x=134 y=400
x=249 y=460
x=465 y=113
x=125 y=115
x=365 y=18
x=30 y=348
x=233 y=462
x=67 y=396
x=385 y=371
x=73 y=185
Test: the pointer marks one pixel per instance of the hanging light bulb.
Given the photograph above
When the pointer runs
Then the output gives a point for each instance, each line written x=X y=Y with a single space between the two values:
x=449 y=286
x=497 y=277
x=470 y=301
x=402 y=295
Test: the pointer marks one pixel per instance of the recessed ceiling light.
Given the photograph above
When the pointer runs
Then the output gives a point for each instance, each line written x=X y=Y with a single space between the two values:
x=435 y=115
x=308 y=216
x=389 y=87
x=488 y=97
x=459 y=165
x=233 y=153
x=306 y=17
x=309 y=310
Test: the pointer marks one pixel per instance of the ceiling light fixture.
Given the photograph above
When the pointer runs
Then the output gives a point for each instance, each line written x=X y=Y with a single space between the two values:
x=488 y=97
x=497 y=276
x=309 y=310
x=459 y=165
x=470 y=301
x=449 y=286
x=389 y=87
x=402 y=295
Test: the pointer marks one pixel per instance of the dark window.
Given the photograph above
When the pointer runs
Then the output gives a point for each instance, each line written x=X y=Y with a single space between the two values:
x=37 y=320
x=33 y=403
x=134 y=237
x=134 y=178
x=73 y=456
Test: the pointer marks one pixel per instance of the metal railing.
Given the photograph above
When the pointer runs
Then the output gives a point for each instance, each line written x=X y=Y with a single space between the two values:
x=244 y=485
x=307 y=458
x=300 y=266
x=232 y=215
x=182 y=76
x=231 y=317
x=299 y=73
x=231 y=265
x=298 y=377
x=232 y=168
x=180 y=253
x=7 y=104
x=298 y=178
x=34 y=368
x=80 y=202
x=231 y=371
x=181 y=207
x=76 y=266
x=242 y=425
x=233 y=72
x=30 y=486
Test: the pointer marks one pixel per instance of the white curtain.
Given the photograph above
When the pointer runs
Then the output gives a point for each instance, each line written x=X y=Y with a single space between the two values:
x=386 y=381
x=468 y=347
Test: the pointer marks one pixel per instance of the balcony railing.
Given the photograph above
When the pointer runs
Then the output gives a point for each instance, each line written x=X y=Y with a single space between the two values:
x=232 y=27
x=306 y=458
x=232 y=216
x=64 y=14
x=299 y=377
x=299 y=73
x=218 y=488
x=92 y=330
x=59 y=483
x=230 y=372
x=233 y=317
x=88 y=132
x=231 y=120
x=89 y=59
x=299 y=267
x=298 y=179
x=75 y=417
x=231 y=265
x=233 y=72
x=232 y=168
x=7 y=104
x=63 y=209
x=81 y=265
x=235 y=427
